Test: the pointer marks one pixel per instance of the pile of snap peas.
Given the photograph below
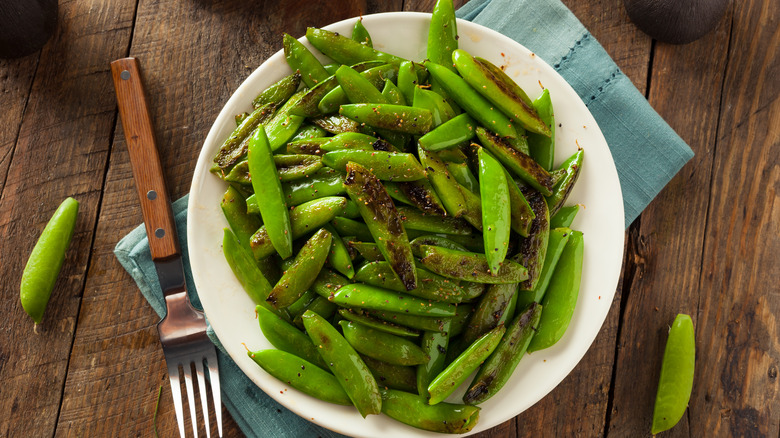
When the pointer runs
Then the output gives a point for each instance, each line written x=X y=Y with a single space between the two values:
x=400 y=225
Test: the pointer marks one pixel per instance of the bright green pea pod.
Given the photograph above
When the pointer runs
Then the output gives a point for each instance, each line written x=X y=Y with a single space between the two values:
x=377 y=324
x=302 y=60
x=360 y=34
x=445 y=185
x=555 y=244
x=470 y=266
x=561 y=295
x=473 y=213
x=491 y=311
x=532 y=250
x=348 y=227
x=283 y=125
x=542 y=146
x=521 y=164
x=344 y=50
x=497 y=369
x=239 y=174
x=338 y=257
x=496 y=214
x=304 y=219
x=45 y=261
x=298 y=277
x=399 y=118
x=336 y=124
x=445 y=96
x=472 y=242
x=268 y=187
x=284 y=336
x=454 y=155
x=307 y=132
x=431 y=286
x=246 y=271
x=522 y=213
x=497 y=92
x=407 y=80
x=368 y=251
x=234 y=148
x=364 y=296
x=383 y=221
x=349 y=140
x=411 y=321
x=331 y=68
x=345 y=364
x=434 y=344
x=319 y=305
x=382 y=345
x=351 y=211
x=565 y=185
x=328 y=282
x=414 y=219
x=308 y=106
x=462 y=316
x=413 y=410
x=300 y=305
x=393 y=166
x=471 y=101
x=314 y=187
x=459 y=370
x=521 y=143
x=428 y=100
x=451 y=133
x=442 y=34
x=309 y=146
x=294 y=167
x=418 y=193
x=301 y=375
x=235 y=210
x=390 y=376
x=241 y=117
x=564 y=217
x=676 y=380
x=279 y=92
x=393 y=94
x=434 y=240
x=463 y=175
x=357 y=88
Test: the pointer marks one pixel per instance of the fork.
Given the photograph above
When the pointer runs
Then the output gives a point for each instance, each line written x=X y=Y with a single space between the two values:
x=183 y=329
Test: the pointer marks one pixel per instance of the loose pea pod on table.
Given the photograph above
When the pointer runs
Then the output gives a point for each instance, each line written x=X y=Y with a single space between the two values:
x=676 y=380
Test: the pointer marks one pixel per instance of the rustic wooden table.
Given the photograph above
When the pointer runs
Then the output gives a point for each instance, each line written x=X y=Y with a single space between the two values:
x=707 y=246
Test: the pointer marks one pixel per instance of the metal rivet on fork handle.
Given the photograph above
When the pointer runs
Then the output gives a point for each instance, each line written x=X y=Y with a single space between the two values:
x=124 y=75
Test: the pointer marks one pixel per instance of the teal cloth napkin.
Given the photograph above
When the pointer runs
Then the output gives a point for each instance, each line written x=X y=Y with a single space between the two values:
x=647 y=154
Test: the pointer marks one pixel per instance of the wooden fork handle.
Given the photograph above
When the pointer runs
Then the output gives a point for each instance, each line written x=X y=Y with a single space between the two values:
x=145 y=160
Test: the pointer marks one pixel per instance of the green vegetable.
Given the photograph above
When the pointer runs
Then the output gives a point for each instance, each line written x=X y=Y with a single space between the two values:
x=676 y=381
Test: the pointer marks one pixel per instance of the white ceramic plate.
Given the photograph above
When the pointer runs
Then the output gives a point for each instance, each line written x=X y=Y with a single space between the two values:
x=231 y=312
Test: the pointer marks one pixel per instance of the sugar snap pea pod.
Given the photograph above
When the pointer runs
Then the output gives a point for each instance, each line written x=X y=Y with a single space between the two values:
x=336 y=124
x=378 y=324
x=348 y=227
x=496 y=214
x=564 y=217
x=505 y=80
x=470 y=266
x=331 y=68
x=431 y=286
x=294 y=167
x=360 y=34
x=521 y=164
x=240 y=117
x=283 y=125
x=301 y=59
x=459 y=370
x=497 y=92
x=434 y=240
x=442 y=34
x=328 y=282
x=310 y=146
x=413 y=410
x=424 y=99
x=359 y=88
x=441 y=91
x=532 y=250
x=497 y=369
x=239 y=174
x=399 y=118
x=279 y=92
x=411 y=321
x=308 y=131
x=463 y=175
x=393 y=94
x=356 y=88
x=522 y=213
x=305 y=218
x=473 y=213
x=243 y=224
x=313 y=187
x=235 y=147
x=418 y=193
x=383 y=221
x=382 y=345
x=561 y=191
x=308 y=263
x=344 y=50
x=246 y=271
x=491 y=311
x=309 y=104
x=555 y=244
x=434 y=344
x=300 y=305
x=390 y=376
x=338 y=257
x=472 y=242
x=351 y=211
x=471 y=101
x=561 y=295
x=454 y=155
x=319 y=305
x=521 y=143
x=393 y=166
x=286 y=337
x=301 y=375
x=542 y=146
x=349 y=140
x=445 y=185
x=345 y=364
x=268 y=187
x=414 y=219
x=460 y=129
x=369 y=297
x=45 y=261
x=369 y=251
x=407 y=80
x=676 y=380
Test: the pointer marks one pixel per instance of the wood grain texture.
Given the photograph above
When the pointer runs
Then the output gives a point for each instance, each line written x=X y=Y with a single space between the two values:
x=16 y=77
x=668 y=246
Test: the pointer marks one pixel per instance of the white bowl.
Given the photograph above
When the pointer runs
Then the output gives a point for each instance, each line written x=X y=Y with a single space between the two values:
x=231 y=312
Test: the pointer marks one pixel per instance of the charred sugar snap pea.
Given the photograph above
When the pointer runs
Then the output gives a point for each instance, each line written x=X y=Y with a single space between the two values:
x=496 y=213
x=369 y=251
x=241 y=223
x=419 y=193
x=377 y=324
x=390 y=376
x=360 y=34
x=294 y=167
x=565 y=185
x=442 y=34
x=279 y=92
x=339 y=258
x=399 y=118
x=300 y=59
x=309 y=146
x=434 y=344
x=306 y=132
x=506 y=80
x=472 y=243
x=308 y=105
x=414 y=219
x=349 y=140
x=352 y=373
x=473 y=213
x=463 y=175
x=413 y=410
x=434 y=240
x=470 y=266
x=542 y=146
x=305 y=218
x=522 y=213
x=412 y=321
x=459 y=370
x=364 y=296
x=268 y=187
x=430 y=285
x=532 y=250
x=392 y=166
x=382 y=345
x=298 y=277
x=283 y=125
x=445 y=185
x=424 y=100
x=301 y=375
x=328 y=282
x=494 y=309
x=521 y=164
x=564 y=217
x=344 y=50
x=383 y=221
x=555 y=244
x=497 y=369
x=235 y=147
x=336 y=124
x=460 y=129
x=393 y=94
x=348 y=227
x=319 y=305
